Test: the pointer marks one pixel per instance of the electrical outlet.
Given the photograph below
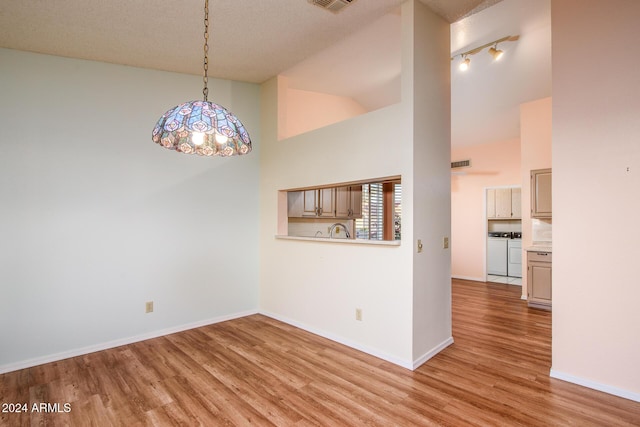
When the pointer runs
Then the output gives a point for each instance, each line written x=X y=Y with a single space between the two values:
x=359 y=314
x=148 y=307
x=445 y=242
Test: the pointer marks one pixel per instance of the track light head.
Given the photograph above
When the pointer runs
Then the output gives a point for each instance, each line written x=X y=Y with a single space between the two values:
x=464 y=65
x=496 y=53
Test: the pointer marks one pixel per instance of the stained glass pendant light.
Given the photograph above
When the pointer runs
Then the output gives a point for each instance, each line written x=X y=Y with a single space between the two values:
x=202 y=127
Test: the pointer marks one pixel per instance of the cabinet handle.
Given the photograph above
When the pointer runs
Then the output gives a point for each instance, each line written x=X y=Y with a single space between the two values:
x=542 y=253
x=319 y=211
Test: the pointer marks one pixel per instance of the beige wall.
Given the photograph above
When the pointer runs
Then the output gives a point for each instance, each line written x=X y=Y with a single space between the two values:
x=305 y=110
x=492 y=165
x=318 y=285
x=596 y=188
x=535 y=153
x=499 y=164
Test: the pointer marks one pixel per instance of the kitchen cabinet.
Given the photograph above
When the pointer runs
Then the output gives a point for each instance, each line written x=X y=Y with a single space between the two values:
x=516 y=203
x=539 y=279
x=504 y=203
x=318 y=202
x=541 y=193
x=349 y=201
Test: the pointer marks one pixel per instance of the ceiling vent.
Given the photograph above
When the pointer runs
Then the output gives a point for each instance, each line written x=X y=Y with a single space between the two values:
x=460 y=164
x=334 y=6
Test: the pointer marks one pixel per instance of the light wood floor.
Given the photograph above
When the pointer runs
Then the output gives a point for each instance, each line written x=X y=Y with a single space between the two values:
x=257 y=371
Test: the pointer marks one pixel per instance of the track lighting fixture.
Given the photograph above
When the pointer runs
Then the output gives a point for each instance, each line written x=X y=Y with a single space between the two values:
x=493 y=51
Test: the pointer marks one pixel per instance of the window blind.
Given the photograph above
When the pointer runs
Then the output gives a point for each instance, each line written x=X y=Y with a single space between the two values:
x=371 y=225
x=397 y=211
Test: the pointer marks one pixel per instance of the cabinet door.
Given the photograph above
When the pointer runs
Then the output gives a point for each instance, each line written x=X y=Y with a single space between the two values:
x=516 y=202
x=503 y=203
x=295 y=204
x=343 y=202
x=356 y=201
x=540 y=274
x=541 y=193
x=491 y=203
x=326 y=205
x=310 y=203
x=349 y=202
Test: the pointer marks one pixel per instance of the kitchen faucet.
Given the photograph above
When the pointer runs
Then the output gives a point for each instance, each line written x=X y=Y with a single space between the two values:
x=346 y=231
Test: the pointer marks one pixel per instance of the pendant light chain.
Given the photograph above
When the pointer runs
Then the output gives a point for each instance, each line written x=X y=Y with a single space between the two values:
x=205 y=78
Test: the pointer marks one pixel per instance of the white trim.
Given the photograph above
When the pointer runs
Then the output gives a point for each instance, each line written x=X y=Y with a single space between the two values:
x=341 y=340
x=596 y=386
x=523 y=297
x=117 y=343
x=473 y=279
x=428 y=355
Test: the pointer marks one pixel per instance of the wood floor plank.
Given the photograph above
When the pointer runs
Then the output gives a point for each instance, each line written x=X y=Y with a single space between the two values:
x=259 y=371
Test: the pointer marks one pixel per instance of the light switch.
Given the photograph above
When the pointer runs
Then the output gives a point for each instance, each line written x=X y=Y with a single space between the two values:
x=419 y=245
x=445 y=242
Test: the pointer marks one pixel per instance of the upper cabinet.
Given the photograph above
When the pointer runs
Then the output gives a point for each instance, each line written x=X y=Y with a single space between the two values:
x=504 y=203
x=340 y=202
x=349 y=201
x=516 y=203
x=312 y=203
x=541 y=193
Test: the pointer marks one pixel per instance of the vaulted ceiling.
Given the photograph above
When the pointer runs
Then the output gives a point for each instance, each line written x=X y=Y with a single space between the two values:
x=250 y=40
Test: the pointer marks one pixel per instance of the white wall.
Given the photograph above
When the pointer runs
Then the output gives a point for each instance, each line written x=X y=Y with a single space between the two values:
x=596 y=183
x=426 y=84
x=318 y=285
x=96 y=219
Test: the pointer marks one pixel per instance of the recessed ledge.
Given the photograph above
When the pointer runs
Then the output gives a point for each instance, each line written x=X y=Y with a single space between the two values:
x=395 y=243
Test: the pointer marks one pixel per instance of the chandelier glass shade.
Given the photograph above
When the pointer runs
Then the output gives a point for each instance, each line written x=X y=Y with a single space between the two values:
x=202 y=127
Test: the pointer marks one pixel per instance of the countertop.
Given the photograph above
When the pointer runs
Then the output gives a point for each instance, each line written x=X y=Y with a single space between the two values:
x=539 y=248
x=342 y=241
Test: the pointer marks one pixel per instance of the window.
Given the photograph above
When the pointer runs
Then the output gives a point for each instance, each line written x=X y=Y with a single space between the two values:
x=397 y=210
x=371 y=225
x=367 y=210
x=378 y=223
